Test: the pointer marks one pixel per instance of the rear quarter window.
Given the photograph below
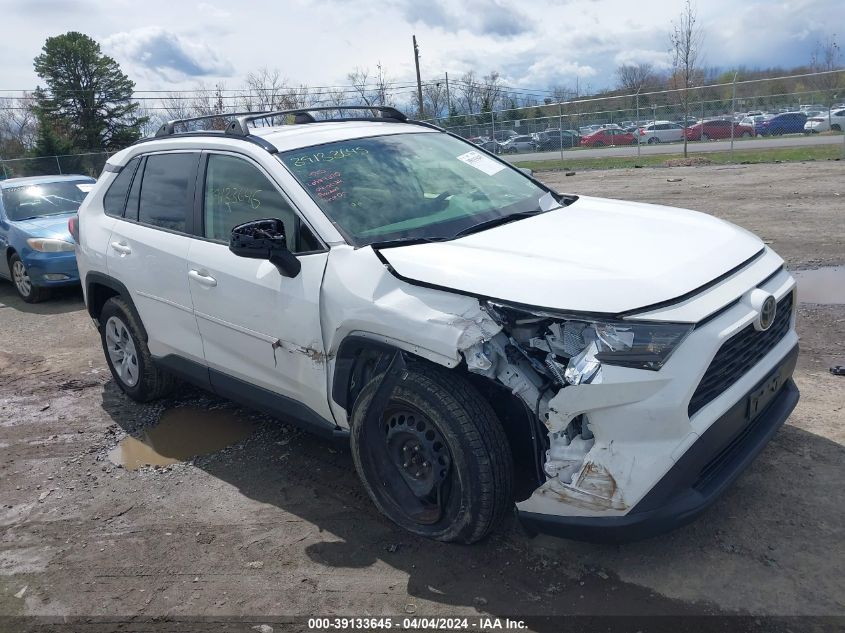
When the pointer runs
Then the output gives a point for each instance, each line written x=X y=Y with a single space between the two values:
x=114 y=202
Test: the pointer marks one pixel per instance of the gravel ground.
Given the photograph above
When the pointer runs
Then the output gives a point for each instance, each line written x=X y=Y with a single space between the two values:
x=278 y=524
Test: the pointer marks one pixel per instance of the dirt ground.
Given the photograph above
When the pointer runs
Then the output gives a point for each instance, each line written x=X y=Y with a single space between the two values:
x=278 y=524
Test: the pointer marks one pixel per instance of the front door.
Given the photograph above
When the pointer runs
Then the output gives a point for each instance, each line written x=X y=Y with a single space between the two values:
x=257 y=326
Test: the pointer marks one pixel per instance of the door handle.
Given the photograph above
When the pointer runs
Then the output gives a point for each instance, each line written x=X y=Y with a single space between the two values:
x=121 y=247
x=202 y=277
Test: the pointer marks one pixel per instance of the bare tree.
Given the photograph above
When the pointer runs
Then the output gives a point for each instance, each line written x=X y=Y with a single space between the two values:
x=491 y=91
x=826 y=59
x=18 y=126
x=632 y=78
x=264 y=91
x=686 y=39
x=434 y=99
x=176 y=105
x=469 y=93
x=371 y=90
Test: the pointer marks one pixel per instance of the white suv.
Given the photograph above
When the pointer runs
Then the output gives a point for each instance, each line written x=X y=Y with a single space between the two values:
x=479 y=339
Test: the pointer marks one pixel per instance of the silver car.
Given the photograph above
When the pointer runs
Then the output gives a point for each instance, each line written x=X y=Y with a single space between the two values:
x=519 y=144
x=661 y=132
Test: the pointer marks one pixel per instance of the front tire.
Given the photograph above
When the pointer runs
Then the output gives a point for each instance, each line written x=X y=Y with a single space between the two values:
x=128 y=356
x=436 y=460
x=705 y=138
x=23 y=284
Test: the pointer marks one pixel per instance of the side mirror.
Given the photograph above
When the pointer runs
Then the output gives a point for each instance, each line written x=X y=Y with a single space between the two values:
x=265 y=239
x=526 y=171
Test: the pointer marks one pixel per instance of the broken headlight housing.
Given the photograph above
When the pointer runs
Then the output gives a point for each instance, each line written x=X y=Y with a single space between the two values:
x=571 y=349
x=623 y=343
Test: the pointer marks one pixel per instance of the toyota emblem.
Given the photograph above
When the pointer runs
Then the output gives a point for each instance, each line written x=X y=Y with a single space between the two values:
x=767 y=312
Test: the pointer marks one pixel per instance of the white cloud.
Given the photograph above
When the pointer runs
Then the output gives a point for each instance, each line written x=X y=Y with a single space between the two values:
x=170 y=56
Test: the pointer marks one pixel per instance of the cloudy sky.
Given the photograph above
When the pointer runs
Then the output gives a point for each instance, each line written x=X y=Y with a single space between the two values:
x=173 y=44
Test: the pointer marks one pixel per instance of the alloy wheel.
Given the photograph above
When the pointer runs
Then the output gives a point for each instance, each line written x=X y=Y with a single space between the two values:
x=122 y=352
x=21 y=278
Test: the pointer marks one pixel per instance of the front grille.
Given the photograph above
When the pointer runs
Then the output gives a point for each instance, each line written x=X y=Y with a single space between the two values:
x=739 y=354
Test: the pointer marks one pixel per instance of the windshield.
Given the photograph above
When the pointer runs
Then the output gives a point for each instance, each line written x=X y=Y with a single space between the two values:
x=46 y=198
x=411 y=186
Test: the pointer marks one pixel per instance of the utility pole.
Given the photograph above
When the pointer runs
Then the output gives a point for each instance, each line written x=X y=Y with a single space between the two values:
x=448 y=98
x=419 y=81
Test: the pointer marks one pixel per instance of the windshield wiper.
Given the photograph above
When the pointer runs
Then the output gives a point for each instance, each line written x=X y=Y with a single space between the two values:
x=489 y=224
x=407 y=241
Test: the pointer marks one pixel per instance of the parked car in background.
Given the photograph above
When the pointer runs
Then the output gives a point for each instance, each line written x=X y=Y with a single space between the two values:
x=491 y=145
x=786 y=123
x=553 y=138
x=824 y=122
x=661 y=132
x=519 y=144
x=504 y=135
x=36 y=248
x=752 y=120
x=608 y=136
x=718 y=129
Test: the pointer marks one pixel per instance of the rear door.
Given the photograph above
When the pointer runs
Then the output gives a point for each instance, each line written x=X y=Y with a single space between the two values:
x=148 y=251
x=258 y=327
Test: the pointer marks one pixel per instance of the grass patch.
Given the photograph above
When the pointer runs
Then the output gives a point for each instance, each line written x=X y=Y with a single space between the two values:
x=779 y=154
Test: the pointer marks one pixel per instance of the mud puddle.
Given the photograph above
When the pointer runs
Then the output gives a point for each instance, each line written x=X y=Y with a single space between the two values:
x=181 y=433
x=822 y=285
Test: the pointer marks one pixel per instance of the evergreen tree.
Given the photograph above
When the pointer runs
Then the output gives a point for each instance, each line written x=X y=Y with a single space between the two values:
x=88 y=99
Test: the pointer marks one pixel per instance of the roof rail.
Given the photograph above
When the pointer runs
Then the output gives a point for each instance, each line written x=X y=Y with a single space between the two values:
x=167 y=128
x=240 y=125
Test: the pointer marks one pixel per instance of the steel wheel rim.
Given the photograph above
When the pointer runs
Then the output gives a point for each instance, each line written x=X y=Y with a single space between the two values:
x=420 y=455
x=122 y=352
x=21 y=278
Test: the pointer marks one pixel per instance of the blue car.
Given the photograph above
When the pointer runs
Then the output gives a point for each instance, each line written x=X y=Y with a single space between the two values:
x=786 y=123
x=36 y=248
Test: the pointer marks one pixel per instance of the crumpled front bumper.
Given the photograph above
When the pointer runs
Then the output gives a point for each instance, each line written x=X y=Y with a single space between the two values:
x=696 y=480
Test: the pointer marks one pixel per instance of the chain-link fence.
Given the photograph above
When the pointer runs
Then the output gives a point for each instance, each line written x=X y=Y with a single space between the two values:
x=807 y=106
x=89 y=164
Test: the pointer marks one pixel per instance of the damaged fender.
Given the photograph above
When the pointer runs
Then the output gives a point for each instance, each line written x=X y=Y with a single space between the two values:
x=360 y=297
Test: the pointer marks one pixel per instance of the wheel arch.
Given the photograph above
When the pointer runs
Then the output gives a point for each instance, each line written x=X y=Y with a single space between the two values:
x=348 y=380
x=99 y=288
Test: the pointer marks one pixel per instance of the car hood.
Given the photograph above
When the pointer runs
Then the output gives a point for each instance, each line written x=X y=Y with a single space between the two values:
x=594 y=255
x=52 y=226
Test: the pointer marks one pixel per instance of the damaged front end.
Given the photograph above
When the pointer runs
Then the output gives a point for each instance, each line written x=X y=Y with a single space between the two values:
x=558 y=365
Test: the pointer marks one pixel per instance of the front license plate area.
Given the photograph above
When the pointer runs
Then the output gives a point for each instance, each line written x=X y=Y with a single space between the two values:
x=763 y=395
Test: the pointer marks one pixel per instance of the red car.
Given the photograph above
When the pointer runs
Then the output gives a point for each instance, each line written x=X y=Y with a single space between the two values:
x=609 y=136
x=717 y=129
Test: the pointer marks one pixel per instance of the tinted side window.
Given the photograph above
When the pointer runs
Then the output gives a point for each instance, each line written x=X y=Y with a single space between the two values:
x=236 y=192
x=115 y=199
x=134 y=195
x=167 y=190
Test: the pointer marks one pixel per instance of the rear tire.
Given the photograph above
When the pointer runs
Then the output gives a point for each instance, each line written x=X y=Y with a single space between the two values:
x=128 y=356
x=436 y=461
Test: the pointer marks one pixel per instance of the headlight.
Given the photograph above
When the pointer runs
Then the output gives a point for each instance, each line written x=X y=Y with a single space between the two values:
x=572 y=350
x=624 y=343
x=45 y=245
